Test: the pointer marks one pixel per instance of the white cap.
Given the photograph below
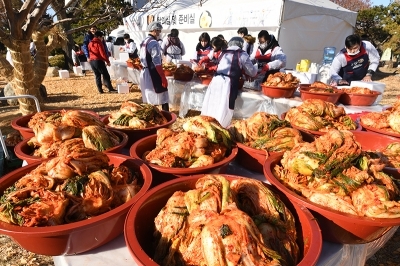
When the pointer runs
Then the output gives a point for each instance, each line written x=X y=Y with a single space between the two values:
x=155 y=25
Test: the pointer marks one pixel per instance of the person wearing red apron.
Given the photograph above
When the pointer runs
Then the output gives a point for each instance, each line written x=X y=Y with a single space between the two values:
x=153 y=82
x=203 y=48
x=211 y=60
x=269 y=55
x=357 y=61
x=219 y=100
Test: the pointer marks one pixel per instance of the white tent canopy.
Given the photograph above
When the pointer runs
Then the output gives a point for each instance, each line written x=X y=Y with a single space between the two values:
x=302 y=27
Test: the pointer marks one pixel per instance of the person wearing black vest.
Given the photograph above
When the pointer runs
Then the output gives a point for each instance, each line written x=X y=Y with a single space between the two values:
x=172 y=46
x=153 y=82
x=357 y=61
x=130 y=47
x=219 y=100
x=268 y=55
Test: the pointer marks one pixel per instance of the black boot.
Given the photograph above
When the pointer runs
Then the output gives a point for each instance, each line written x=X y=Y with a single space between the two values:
x=165 y=107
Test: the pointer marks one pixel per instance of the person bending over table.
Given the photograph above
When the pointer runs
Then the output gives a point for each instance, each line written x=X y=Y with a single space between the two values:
x=268 y=55
x=357 y=61
x=153 y=82
x=211 y=60
x=219 y=100
x=130 y=47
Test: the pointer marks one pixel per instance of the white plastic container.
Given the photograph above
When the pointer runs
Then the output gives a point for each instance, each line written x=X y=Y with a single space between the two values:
x=375 y=86
x=123 y=56
x=304 y=77
x=77 y=70
x=64 y=74
x=123 y=88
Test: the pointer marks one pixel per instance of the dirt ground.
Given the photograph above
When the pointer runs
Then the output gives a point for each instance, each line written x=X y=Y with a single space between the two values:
x=80 y=92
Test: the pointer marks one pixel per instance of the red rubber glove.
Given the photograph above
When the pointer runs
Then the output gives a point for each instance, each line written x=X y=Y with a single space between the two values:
x=205 y=59
x=160 y=71
x=213 y=68
x=216 y=54
x=265 y=68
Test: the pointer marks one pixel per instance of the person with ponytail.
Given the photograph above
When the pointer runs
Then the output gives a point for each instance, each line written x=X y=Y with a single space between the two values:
x=250 y=40
x=211 y=60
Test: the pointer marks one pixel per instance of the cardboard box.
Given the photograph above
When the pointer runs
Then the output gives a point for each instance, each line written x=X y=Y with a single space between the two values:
x=64 y=74
x=123 y=88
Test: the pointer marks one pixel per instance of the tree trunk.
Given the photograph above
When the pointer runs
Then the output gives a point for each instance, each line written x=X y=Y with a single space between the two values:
x=6 y=69
x=23 y=81
x=41 y=60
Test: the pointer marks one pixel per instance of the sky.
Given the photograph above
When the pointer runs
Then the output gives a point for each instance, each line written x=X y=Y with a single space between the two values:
x=380 y=2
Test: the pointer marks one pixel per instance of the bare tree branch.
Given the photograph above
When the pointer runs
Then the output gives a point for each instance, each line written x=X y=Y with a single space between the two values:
x=26 y=8
x=10 y=12
x=36 y=15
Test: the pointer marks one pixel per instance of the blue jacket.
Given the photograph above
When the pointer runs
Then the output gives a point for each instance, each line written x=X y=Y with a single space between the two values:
x=88 y=38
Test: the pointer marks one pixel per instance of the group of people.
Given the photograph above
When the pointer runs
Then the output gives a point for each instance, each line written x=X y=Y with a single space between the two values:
x=240 y=57
x=96 y=51
x=230 y=61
